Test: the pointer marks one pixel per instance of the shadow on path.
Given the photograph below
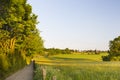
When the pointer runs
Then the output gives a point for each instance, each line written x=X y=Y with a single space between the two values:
x=24 y=74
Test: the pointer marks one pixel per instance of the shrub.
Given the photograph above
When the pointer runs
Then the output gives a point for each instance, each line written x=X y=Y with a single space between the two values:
x=105 y=58
x=4 y=64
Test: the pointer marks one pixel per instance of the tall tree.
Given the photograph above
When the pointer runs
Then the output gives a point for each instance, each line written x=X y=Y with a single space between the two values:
x=17 y=24
x=19 y=37
x=115 y=48
x=114 y=52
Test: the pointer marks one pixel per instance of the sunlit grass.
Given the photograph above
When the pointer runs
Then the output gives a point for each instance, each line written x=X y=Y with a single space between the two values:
x=78 y=56
x=68 y=59
x=76 y=67
x=85 y=72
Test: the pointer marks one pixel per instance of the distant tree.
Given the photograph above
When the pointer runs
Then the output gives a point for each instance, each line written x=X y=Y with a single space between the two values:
x=67 y=51
x=55 y=51
x=97 y=52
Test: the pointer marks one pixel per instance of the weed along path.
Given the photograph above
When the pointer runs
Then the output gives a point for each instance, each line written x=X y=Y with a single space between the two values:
x=25 y=74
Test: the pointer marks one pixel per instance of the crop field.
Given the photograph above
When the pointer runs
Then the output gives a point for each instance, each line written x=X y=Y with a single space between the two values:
x=76 y=67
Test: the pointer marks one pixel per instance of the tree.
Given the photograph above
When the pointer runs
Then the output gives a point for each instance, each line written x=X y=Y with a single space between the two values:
x=114 y=50
x=18 y=27
x=19 y=37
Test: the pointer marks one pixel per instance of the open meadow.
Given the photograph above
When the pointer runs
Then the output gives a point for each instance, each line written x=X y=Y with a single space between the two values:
x=76 y=67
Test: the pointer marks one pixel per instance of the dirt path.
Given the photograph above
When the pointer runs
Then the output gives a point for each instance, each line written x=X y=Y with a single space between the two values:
x=24 y=74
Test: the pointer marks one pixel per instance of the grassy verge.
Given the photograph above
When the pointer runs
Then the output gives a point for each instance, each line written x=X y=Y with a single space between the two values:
x=78 y=72
x=76 y=67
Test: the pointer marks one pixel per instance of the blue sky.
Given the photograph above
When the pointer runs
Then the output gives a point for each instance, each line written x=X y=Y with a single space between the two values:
x=77 y=24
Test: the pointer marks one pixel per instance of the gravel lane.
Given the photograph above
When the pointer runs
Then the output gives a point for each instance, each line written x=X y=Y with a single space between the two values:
x=24 y=74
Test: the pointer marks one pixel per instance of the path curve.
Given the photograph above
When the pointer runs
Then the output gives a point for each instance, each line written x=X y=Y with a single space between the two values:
x=24 y=74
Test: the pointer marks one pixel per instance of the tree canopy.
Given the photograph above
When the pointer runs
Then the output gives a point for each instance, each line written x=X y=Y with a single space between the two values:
x=19 y=37
x=114 y=50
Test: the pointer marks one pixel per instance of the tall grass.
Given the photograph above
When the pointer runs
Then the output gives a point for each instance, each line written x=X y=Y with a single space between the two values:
x=78 y=72
x=76 y=67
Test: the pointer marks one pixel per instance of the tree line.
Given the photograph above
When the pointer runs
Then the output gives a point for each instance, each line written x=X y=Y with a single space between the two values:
x=113 y=52
x=55 y=51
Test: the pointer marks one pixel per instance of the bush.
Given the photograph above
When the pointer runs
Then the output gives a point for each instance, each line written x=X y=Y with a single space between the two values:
x=105 y=58
x=10 y=63
x=115 y=58
x=4 y=64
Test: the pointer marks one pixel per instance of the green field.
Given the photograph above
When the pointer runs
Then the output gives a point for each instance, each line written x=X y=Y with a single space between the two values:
x=76 y=67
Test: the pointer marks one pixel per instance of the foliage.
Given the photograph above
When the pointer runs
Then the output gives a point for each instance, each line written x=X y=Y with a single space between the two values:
x=19 y=37
x=4 y=64
x=115 y=47
x=114 y=52
x=55 y=51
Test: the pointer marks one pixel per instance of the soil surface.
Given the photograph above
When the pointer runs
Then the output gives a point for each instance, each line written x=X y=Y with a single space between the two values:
x=24 y=74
